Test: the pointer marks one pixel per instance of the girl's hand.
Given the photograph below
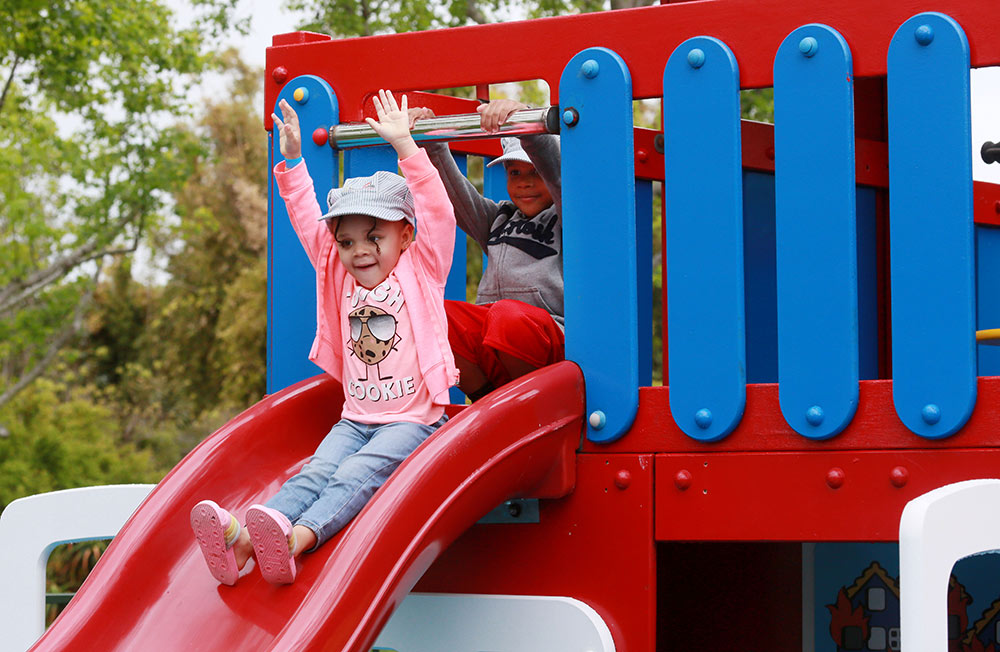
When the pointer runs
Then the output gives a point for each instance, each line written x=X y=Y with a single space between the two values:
x=290 y=138
x=393 y=123
x=494 y=114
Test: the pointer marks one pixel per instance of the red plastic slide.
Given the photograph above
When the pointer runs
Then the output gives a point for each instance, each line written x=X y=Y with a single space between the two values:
x=151 y=590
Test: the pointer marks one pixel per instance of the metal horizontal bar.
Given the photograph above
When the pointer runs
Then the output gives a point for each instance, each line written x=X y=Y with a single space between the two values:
x=463 y=126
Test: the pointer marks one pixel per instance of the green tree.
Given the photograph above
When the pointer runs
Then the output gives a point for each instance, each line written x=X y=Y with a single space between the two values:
x=89 y=94
x=176 y=361
x=367 y=17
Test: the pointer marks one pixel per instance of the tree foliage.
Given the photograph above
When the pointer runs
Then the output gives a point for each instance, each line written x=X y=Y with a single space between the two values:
x=368 y=17
x=89 y=93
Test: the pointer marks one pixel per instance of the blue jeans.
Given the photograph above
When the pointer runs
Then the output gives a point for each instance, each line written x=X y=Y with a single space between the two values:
x=352 y=461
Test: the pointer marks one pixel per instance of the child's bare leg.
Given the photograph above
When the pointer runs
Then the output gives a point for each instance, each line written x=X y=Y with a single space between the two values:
x=305 y=539
x=516 y=367
x=472 y=380
x=243 y=549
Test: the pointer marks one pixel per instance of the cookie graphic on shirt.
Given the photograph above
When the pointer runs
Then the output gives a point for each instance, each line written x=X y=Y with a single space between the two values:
x=373 y=336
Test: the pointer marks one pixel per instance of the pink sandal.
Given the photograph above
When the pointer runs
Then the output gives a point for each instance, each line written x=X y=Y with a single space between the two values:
x=271 y=534
x=210 y=524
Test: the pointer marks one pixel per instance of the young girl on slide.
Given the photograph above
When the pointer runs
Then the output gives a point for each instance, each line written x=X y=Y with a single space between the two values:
x=381 y=331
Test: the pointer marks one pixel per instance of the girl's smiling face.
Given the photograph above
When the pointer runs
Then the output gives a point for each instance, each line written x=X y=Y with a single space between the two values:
x=370 y=247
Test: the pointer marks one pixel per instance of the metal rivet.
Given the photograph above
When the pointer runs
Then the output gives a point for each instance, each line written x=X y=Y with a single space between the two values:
x=899 y=476
x=301 y=95
x=623 y=479
x=703 y=418
x=835 y=477
x=808 y=46
x=570 y=116
x=279 y=75
x=814 y=415
x=931 y=414
x=924 y=35
x=683 y=480
x=320 y=136
x=696 y=58
x=590 y=68
x=597 y=419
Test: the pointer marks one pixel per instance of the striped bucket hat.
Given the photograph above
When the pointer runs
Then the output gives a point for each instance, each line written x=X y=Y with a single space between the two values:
x=383 y=195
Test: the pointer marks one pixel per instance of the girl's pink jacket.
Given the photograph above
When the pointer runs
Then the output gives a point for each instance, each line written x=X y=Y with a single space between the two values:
x=422 y=270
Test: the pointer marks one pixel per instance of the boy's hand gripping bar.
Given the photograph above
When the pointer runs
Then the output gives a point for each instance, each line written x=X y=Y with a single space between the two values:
x=463 y=126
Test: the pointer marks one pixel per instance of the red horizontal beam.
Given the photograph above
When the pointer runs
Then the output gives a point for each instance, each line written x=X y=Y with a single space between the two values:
x=643 y=37
x=875 y=426
x=836 y=496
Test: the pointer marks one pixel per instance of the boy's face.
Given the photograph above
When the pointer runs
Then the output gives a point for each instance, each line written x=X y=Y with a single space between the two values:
x=369 y=254
x=526 y=188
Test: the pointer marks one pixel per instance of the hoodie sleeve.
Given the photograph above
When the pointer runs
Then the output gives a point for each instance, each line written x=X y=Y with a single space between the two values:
x=435 y=243
x=296 y=189
x=473 y=212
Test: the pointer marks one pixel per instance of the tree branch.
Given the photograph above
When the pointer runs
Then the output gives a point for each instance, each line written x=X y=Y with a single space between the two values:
x=55 y=346
x=19 y=290
x=10 y=81
x=473 y=11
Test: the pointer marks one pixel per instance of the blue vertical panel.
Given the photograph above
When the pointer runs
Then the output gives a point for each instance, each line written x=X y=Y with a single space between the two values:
x=930 y=226
x=599 y=259
x=704 y=228
x=816 y=231
x=369 y=160
x=454 y=289
x=758 y=278
x=291 y=280
x=867 y=283
x=644 y=277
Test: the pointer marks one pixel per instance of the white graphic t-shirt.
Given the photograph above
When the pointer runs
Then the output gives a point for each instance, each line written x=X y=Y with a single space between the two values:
x=382 y=380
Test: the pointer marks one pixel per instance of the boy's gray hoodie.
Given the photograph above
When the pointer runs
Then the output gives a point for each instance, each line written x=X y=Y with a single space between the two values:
x=524 y=255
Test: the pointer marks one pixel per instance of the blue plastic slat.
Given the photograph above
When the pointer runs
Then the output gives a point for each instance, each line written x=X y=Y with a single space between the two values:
x=704 y=228
x=816 y=231
x=494 y=186
x=455 y=286
x=931 y=227
x=758 y=278
x=599 y=259
x=644 y=277
x=367 y=161
x=291 y=280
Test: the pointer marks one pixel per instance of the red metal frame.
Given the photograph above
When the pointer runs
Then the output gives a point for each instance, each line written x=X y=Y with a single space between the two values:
x=753 y=30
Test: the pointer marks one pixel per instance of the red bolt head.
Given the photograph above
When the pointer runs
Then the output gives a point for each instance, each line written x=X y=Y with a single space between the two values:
x=769 y=153
x=279 y=75
x=683 y=480
x=835 y=477
x=623 y=479
x=996 y=207
x=899 y=476
x=320 y=136
x=642 y=156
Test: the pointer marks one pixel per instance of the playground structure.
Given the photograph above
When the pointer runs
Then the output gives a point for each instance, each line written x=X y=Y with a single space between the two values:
x=824 y=280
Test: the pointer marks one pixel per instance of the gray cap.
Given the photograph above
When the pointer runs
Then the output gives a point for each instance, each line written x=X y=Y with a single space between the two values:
x=383 y=195
x=512 y=151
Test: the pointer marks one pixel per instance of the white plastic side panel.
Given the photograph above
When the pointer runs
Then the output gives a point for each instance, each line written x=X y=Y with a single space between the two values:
x=31 y=527
x=428 y=622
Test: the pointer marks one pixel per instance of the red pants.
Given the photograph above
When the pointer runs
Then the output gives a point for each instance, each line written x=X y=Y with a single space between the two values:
x=526 y=332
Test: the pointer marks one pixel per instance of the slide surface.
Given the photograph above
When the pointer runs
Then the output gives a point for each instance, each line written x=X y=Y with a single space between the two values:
x=152 y=591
